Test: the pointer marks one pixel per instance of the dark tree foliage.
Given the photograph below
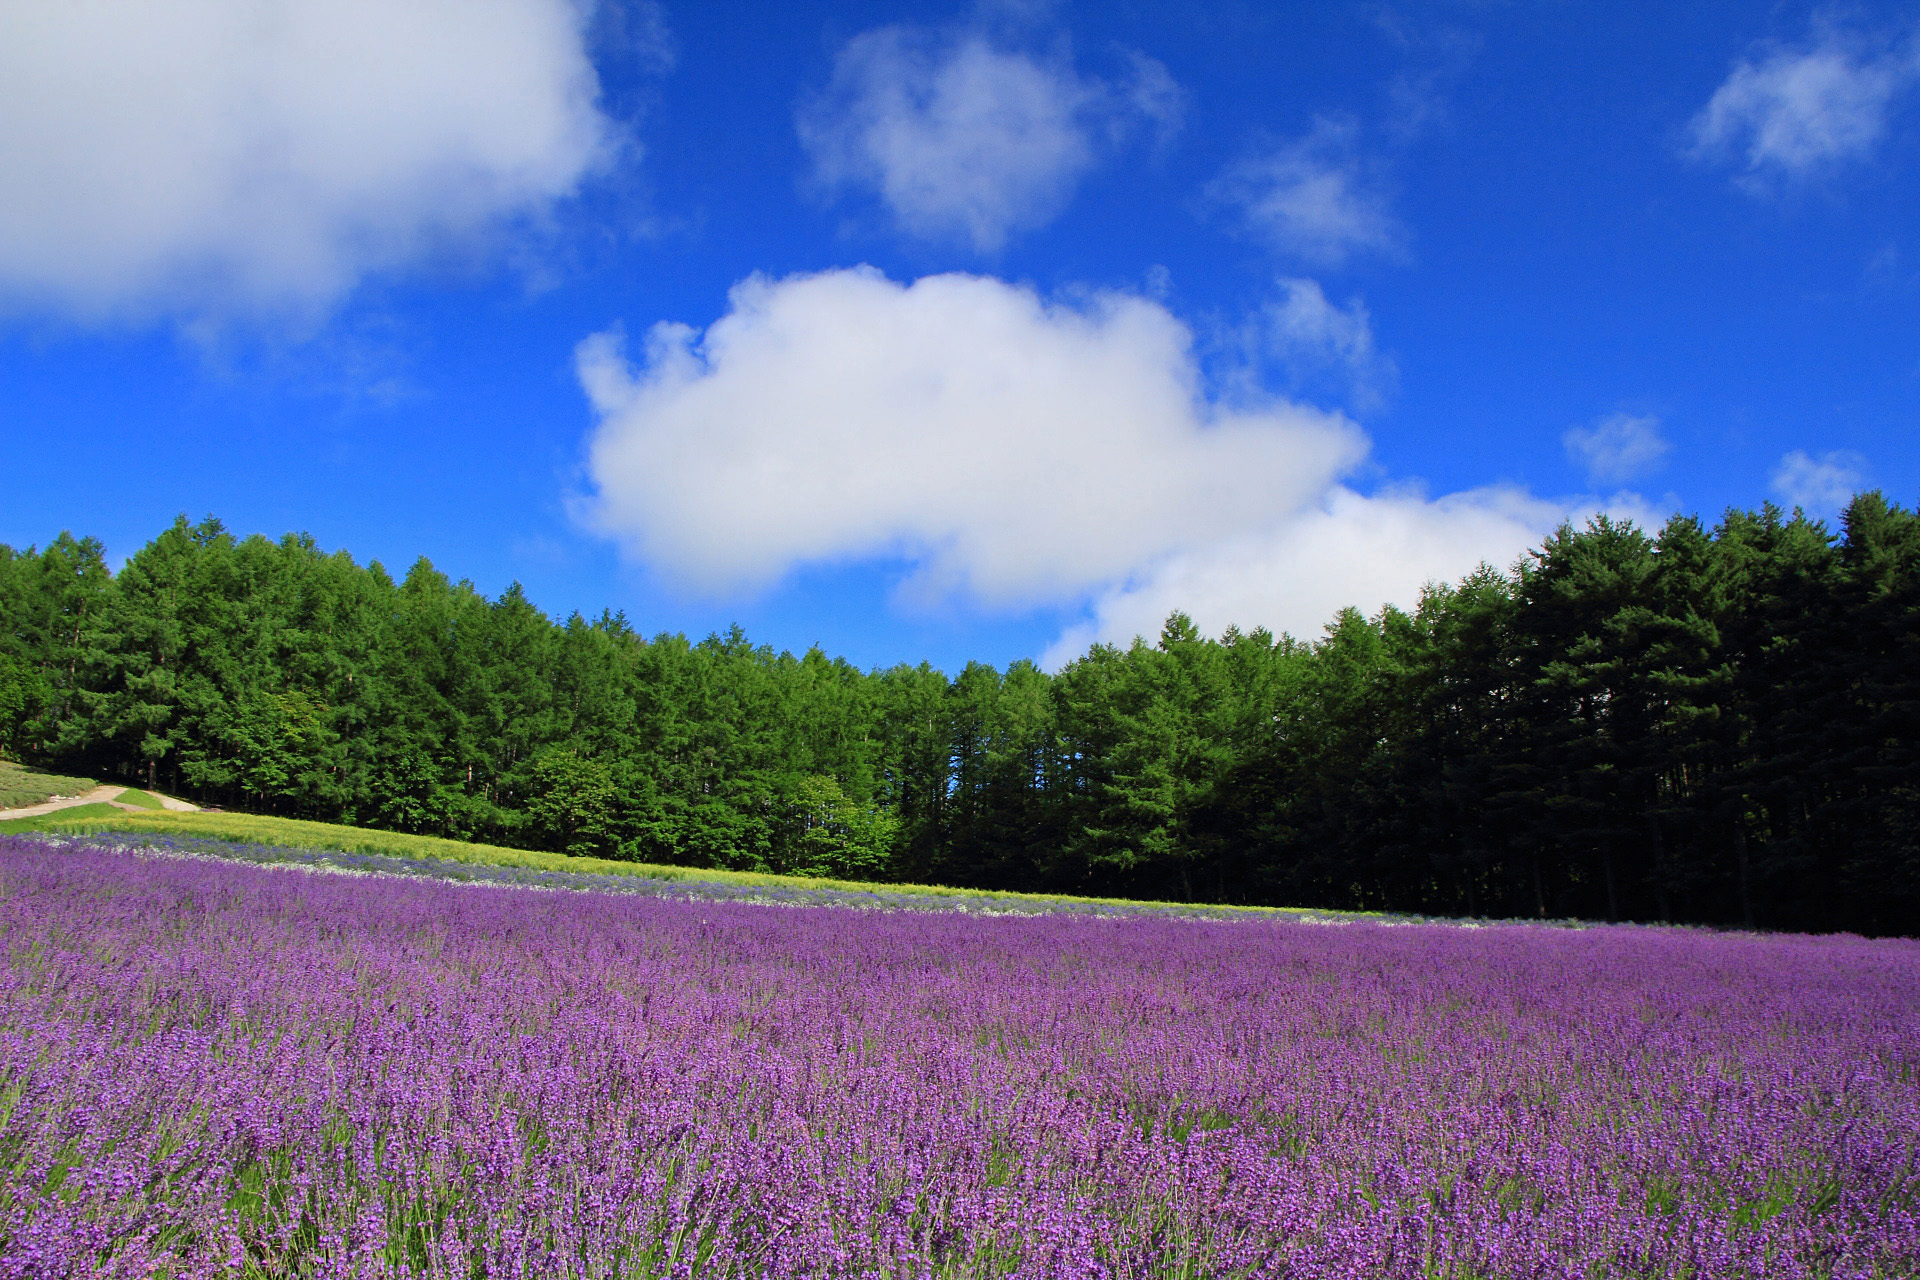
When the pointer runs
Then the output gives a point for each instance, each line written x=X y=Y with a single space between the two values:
x=1707 y=724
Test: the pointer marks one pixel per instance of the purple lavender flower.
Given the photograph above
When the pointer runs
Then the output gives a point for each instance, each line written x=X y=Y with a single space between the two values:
x=216 y=1069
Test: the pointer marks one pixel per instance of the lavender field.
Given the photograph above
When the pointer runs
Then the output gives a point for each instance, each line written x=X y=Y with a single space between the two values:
x=220 y=1069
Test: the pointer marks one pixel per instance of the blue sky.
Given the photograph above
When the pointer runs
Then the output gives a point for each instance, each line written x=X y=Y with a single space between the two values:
x=948 y=332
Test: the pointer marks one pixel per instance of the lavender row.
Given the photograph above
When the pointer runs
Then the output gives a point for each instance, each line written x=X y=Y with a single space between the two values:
x=218 y=1069
x=670 y=882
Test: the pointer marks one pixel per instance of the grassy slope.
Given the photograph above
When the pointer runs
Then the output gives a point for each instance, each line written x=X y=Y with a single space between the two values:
x=293 y=833
x=21 y=786
x=143 y=799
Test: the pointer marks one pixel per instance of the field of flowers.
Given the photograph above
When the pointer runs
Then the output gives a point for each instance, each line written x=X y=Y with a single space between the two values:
x=212 y=1068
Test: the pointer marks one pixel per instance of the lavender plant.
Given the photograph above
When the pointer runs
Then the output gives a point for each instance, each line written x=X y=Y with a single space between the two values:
x=221 y=1069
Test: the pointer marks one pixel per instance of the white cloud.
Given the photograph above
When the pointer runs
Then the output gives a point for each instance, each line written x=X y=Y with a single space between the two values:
x=965 y=141
x=166 y=156
x=1312 y=343
x=1348 y=550
x=1820 y=486
x=1313 y=198
x=1617 y=448
x=1012 y=450
x=1796 y=111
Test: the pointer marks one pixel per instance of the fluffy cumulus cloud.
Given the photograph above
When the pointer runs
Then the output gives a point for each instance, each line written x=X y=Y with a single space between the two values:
x=966 y=141
x=1012 y=451
x=1796 y=111
x=1820 y=486
x=215 y=155
x=1016 y=451
x=1315 y=198
x=1348 y=550
x=1618 y=448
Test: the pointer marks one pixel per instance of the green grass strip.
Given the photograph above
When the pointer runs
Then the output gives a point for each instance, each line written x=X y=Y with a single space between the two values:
x=144 y=799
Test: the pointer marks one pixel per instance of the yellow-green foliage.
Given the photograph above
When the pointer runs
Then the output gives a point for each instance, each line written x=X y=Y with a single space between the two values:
x=21 y=786
x=142 y=799
x=246 y=828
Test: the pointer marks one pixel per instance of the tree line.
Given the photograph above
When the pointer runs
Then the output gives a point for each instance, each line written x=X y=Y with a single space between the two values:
x=1707 y=724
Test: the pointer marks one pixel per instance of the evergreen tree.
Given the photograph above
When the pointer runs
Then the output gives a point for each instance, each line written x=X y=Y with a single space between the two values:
x=1714 y=725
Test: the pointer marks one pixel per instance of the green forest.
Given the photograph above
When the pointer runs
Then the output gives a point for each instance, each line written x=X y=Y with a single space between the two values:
x=1707 y=724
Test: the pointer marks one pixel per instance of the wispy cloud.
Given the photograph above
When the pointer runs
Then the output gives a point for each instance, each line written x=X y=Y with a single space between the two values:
x=1794 y=112
x=1820 y=486
x=1617 y=448
x=1310 y=345
x=964 y=140
x=1315 y=199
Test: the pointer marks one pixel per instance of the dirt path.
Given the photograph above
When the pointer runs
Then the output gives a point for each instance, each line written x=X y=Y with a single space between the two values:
x=99 y=795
